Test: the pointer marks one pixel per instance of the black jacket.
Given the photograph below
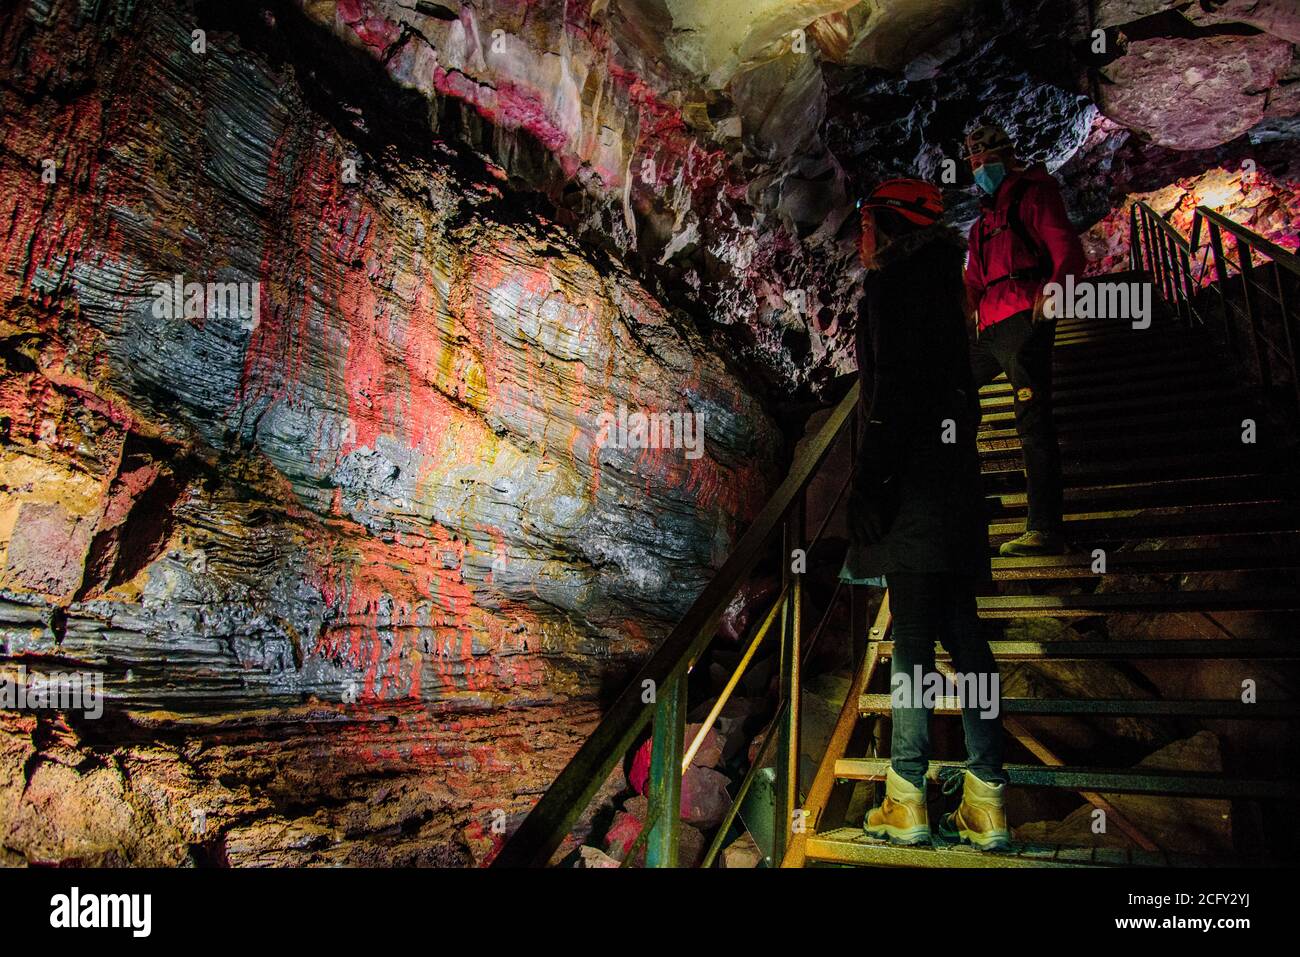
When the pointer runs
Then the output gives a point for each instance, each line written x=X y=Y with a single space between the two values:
x=917 y=503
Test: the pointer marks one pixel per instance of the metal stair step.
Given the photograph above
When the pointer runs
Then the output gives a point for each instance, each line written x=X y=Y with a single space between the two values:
x=1076 y=473
x=879 y=704
x=1116 y=323
x=999 y=396
x=1083 y=606
x=1130 y=352
x=1160 y=322
x=1213 y=490
x=1154 y=561
x=1136 y=523
x=1155 y=342
x=1072 y=334
x=1104 y=780
x=1197 y=367
x=1000 y=408
x=1086 y=365
x=1116 y=441
x=850 y=846
x=1223 y=649
x=1094 y=529
x=1159 y=316
x=1078 y=402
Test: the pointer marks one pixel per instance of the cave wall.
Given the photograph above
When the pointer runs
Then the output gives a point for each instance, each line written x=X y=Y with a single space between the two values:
x=367 y=533
x=356 y=568
x=717 y=148
x=683 y=137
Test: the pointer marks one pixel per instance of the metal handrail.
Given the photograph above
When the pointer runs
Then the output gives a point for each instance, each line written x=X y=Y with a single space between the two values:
x=734 y=680
x=1283 y=257
x=553 y=817
x=1156 y=247
x=777 y=607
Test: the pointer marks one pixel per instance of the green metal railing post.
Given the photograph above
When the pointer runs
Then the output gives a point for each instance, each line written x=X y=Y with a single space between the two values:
x=787 y=759
x=1189 y=289
x=1175 y=294
x=665 y=795
x=1153 y=246
x=1221 y=282
x=1164 y=262
x=1253 y=319
x=1134 y=241
x=1146 y=245
x=1284 y=316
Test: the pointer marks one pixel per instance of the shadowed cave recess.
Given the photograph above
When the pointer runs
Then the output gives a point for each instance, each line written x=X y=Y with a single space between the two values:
x=356 y=568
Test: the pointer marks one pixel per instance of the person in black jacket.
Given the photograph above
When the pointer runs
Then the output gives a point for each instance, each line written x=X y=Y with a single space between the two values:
x=916 y=512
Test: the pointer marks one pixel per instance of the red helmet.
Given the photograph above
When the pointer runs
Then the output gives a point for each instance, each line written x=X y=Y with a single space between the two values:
x=915 y=200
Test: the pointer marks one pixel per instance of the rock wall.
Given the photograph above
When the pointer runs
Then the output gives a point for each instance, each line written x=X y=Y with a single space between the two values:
x=336 y=523
x=1267 y=204
x=355 y=560
x=717 y=148
x=684 y=137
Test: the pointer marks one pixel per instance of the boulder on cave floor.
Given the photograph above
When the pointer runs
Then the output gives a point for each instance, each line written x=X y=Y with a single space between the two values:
x=627 y=826
x=1190 y=825
x=594 y=857
x=742 y=852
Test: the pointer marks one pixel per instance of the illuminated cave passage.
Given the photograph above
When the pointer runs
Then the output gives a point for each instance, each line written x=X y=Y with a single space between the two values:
x=383 y=381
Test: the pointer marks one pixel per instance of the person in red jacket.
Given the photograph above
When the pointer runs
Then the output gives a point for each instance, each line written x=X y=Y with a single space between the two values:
x=1022 y=242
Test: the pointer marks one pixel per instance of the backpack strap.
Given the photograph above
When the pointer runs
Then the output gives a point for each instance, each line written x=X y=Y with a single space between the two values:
x=1018 y=227
x=1016 y=224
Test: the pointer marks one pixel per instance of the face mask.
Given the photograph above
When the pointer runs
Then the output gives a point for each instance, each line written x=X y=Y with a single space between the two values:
x=990 y=176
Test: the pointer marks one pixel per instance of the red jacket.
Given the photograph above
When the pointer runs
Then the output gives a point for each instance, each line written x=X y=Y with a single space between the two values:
x=996 y=251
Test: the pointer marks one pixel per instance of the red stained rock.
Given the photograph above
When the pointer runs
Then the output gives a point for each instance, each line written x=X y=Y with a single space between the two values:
x=47 y=549
x=1194 y=93
x=386 y=493
x=627 y=827
x=1259 y=201
x=704 y=796
x=709 y=754
x=622 y=834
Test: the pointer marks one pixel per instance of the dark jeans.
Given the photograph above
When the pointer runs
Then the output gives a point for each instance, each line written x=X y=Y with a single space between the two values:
x=940 y=606
x=1023 y=350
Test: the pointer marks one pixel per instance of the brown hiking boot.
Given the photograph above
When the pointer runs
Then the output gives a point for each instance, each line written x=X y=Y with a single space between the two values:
x=980 y=819
x=1033 y=543
x=902 y=817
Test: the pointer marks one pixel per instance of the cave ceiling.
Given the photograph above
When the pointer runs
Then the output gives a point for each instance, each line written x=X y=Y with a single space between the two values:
x=719 y=145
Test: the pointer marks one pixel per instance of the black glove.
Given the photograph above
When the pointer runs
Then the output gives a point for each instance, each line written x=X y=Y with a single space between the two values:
x=870 y=512
x=873 y=503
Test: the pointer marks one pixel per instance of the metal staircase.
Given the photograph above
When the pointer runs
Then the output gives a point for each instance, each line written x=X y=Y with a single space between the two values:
x=1160 y=485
